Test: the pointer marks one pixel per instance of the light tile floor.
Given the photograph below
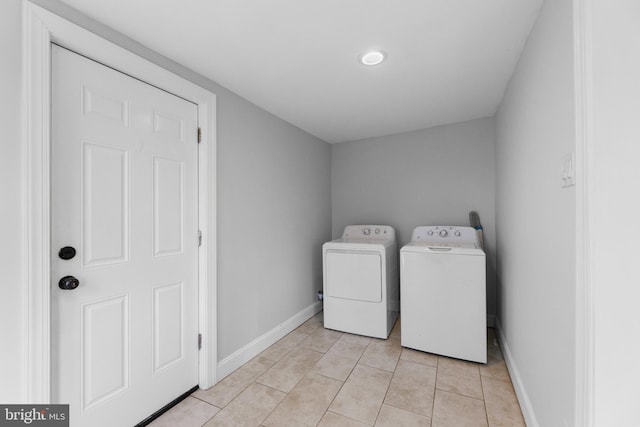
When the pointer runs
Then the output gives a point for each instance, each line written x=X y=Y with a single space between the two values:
x=319 y=377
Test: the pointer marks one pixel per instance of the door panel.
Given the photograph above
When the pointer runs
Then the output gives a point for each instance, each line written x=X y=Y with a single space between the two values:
x=105 y=204
x=168 y=195
x=168 y=126
x=105 y=106
x=124 y=194
x=105 y=349
x=168 y=312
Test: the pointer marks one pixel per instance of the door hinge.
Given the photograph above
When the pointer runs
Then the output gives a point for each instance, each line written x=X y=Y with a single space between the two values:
x=199 y=237
x=199 y=341
x=199 y=135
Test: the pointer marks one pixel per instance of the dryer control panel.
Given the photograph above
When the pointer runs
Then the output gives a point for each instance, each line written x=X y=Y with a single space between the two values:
x=444 y=234
x=372 y=232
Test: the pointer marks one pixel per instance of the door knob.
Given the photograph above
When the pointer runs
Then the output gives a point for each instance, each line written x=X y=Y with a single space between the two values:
x=68 y=283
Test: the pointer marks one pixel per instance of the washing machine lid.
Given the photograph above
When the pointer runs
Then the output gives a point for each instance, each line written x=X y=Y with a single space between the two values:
x=444 y=248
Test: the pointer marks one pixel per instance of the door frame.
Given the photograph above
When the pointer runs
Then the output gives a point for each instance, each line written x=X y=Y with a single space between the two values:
x=41 y=28
x=585 y=294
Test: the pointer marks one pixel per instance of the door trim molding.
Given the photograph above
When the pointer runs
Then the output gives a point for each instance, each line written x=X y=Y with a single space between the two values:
x=40 y=29
x=585 y=284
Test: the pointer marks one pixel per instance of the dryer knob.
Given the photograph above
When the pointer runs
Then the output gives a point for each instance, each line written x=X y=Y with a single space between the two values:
x=444 y=233
x=366 y=231
x=430 y=233
x=457 y=233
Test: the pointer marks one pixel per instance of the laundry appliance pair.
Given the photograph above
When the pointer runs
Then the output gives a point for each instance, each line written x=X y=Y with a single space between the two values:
x=441 y=292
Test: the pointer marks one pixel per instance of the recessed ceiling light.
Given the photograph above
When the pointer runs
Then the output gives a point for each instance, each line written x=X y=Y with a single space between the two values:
x=373 y=57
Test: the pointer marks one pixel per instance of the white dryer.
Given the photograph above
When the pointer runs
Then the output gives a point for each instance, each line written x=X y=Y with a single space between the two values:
x=361 y=291
x=443 y=293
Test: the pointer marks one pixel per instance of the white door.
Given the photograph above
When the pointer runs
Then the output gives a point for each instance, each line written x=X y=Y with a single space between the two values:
x=124 y=196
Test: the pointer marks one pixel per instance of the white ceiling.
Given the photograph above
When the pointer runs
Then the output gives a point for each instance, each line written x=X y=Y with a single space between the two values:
x=448 y=60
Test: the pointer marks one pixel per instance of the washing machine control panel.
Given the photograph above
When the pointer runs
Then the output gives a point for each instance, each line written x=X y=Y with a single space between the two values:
x=444 y=234
x=369 y=232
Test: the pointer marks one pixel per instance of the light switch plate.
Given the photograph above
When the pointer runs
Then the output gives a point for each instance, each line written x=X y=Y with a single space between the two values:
x=568 y=170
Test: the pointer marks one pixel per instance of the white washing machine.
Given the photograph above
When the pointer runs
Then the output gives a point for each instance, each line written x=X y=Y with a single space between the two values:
x=443 y=293
x=361 y=291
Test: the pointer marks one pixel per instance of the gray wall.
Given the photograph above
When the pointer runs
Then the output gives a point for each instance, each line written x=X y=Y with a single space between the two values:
x=273 y=216
x=535 y=219
x=429 y=177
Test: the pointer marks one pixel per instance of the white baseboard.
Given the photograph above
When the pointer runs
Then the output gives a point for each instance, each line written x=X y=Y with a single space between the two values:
x=249 y=351
x=521 y=392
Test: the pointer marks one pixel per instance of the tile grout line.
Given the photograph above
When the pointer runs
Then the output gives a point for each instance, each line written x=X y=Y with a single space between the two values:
x=273 y=388
x=387 y=391
x=337 y=392
x=255 y=381
x=299 y=345
x=435 y=389
x=486 y=413
x=204 y=401
x=343 y=383
x=279 y=403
